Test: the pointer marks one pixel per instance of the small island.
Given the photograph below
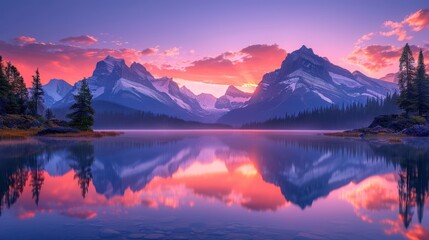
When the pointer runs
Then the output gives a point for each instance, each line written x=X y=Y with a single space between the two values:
x=413 y=100
x=22 y=112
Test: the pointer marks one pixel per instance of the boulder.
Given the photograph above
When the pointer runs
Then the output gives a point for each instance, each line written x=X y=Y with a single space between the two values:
x=57 y=130
x=417 y=131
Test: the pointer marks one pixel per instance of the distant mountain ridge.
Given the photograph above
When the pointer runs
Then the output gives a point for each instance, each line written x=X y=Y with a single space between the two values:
x=134 y=87
x=304 y=81
x=55 y=90
x=232 y=99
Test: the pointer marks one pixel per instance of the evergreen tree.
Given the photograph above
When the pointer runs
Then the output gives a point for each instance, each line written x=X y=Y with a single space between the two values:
x=49 y=114
x=82 y=115
x=422 y=84
x=5 y=90
x=19 y=98
x=36 y=103
x=407 y=87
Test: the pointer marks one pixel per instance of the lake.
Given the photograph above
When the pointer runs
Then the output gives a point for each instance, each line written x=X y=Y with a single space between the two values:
x=214 y=185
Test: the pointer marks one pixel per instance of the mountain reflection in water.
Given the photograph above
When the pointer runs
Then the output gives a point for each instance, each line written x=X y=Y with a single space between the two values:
x=259 y=172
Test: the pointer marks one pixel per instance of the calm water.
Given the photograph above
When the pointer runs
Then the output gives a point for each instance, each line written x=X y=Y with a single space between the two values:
x=214 y=185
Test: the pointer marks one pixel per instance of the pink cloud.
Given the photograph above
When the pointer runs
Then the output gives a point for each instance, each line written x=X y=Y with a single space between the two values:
x=149 y=51
x=171 y=52
x=84 y=39
x=376 y=57
x=24 y=39
x=364 y=38
x=246 y=66
x=397 y=28
x=418 y=20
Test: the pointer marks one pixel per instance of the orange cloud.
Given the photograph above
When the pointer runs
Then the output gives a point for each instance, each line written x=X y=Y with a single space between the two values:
x=418 y=20
x=376 y=57
x=24 y=39
x=84 y=39
x=246 y=66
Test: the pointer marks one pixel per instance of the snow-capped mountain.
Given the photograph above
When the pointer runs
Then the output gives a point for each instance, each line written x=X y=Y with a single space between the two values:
x=207 y=101
x=390 y=77
x=55 y=90
x=232 y=99
x=306 y=81
x=113 y=82
x=171 y=88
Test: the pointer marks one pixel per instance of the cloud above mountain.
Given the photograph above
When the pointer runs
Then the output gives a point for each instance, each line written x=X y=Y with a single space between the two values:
x=246 y=66
x=375 y=57
x=58 y=60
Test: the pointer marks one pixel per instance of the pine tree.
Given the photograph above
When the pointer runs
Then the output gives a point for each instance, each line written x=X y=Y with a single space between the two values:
x=82 y=115
x=49 y=114
x=422 y=84
x=36 y=103
x=5 y=90
x=407 y=87
x=19 y=98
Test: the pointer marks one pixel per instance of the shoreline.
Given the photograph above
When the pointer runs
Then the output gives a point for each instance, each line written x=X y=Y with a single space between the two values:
x=30 y=133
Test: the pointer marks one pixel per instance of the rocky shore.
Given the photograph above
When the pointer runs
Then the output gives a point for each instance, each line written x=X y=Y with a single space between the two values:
x=398 y=125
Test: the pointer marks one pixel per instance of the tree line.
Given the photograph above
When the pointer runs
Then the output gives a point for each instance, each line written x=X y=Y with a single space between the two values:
x=15 y=98
x=333 y=117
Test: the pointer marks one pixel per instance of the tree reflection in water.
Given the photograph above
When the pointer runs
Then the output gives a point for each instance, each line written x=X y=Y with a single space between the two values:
x=411 y=160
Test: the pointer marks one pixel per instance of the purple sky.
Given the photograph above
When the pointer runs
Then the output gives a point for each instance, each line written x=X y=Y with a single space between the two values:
x=193 y=40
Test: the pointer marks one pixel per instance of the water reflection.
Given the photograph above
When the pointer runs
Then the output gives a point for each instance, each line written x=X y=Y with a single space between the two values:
x=258 y=172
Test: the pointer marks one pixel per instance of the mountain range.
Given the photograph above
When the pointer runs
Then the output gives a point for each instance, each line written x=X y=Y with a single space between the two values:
x=303 y=82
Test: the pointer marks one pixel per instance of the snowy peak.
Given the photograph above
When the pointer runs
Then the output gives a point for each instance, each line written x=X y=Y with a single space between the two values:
x=106 y=66
x=207 y=101
x=141 y=71
x=187 y=92
x=390 y=77
x=234 y=98
x=236 y=93
x=55 y=90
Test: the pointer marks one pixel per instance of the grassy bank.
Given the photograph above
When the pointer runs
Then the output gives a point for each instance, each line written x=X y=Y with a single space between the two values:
x=20 y=133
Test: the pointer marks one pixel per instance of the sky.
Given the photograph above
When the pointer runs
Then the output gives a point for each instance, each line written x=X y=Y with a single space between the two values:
x=208 y=45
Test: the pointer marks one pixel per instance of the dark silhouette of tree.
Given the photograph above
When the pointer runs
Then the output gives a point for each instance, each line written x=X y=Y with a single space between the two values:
x=37 y=179
x=406 y=80
x=49 y=114
x=13 y=179
x=422 y=84
x=82 y=115
x=19 y=93
x=36 y=102
x=83 y=156
x=5 y=91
